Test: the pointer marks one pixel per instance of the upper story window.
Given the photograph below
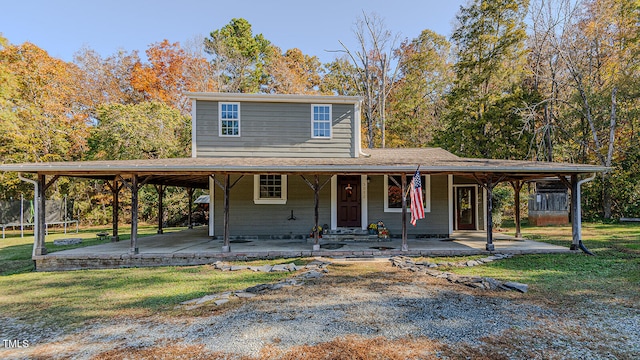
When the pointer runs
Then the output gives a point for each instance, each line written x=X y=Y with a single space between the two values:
x=321 y=121
x=270 y=189
x=393 y=193
x=229 y=119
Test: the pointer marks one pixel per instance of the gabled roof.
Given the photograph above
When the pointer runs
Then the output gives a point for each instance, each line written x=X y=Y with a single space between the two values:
x=194 y=172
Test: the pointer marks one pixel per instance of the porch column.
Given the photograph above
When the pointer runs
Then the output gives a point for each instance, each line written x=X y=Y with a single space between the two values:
x=40 y=248
x=517 y=186
x=115 y=191
x=227 y=187
x=316 y=203
x=190 y=212
x=134 y=215
x=160 y=189
x=576 y=217
x=403 y=180
x=489 y=186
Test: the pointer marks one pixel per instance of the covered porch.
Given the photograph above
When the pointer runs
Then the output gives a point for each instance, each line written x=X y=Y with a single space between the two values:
x=196 y=247
x=221 y=175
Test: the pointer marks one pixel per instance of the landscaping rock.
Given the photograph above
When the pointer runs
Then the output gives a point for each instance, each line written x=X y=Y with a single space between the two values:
x=221 y=301
x=477 y=282
x=244 y=295
x=258 y=288
x=279 y=268
x=523 y=288
x=70 y=241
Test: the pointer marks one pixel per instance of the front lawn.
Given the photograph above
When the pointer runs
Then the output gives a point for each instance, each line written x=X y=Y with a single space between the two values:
x=613 y=275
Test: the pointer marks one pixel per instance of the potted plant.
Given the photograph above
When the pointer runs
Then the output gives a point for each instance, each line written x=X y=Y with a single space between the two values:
x=313 y=229
x=373 y=228
x=383 y=232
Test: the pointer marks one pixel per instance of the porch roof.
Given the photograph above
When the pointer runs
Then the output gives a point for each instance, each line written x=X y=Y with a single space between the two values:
x=194 y=172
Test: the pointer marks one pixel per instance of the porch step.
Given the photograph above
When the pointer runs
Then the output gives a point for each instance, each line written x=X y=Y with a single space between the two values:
x=347 y=231
x=350 y=237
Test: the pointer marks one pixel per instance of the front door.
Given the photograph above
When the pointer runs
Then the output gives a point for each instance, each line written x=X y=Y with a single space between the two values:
x=349 y=210
x=466 y=208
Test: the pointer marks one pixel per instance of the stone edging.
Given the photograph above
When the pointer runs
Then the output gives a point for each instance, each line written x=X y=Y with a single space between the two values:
x=477 y=282
x=313 y=270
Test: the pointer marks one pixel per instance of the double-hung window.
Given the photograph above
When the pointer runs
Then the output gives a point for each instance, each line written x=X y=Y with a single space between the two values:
x=270 y=189
x=321 y=121
x=393 y=193
x=229 y=119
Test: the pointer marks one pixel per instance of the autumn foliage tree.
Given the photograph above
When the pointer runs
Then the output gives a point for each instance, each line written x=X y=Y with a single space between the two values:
x=46 y=122
x=293 y=73
x=163 y=77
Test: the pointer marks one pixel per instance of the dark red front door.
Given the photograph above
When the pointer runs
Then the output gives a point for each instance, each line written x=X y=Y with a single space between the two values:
x=349 y=211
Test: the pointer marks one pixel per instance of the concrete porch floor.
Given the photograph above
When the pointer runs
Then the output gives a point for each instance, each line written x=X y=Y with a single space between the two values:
x=194 y=247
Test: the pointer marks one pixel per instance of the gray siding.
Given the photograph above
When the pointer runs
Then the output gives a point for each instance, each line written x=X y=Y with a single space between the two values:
x=435 y=222
x=247 y=218
x=274 y=130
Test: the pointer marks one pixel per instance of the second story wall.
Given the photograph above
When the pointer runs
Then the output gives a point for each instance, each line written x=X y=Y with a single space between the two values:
x=275 y=129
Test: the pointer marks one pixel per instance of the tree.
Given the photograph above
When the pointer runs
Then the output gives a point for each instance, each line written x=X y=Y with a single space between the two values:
x=49 y=122
x=416 y=102
x=199 y=70
x=106 y=80
x=239 y=57
x=164 y=78
x=117 y=134
x=340 y=78
x=600 y=53
x=482 y=118
x=375 y=71
x=293 y=73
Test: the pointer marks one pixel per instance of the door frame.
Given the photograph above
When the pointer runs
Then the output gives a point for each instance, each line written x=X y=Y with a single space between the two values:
x=474 y=205
x=364 y=207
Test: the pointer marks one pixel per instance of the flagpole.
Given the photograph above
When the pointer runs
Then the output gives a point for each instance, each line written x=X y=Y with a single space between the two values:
x=405 y=247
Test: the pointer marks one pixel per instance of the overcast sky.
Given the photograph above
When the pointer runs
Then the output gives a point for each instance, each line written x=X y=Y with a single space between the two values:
x=64 y=27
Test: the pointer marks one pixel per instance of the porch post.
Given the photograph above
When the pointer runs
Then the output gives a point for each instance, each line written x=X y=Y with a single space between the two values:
x=517 y=186
x=576 y=219
x=160 y=189
x=403 y=180
x=316 y=203
x=489 y=187
x=190 y=212
x=116 y=204
x=134 y=215
x=227 y=187
x=40 y=248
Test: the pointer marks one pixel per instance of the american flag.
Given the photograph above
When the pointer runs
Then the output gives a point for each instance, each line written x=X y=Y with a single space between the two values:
x=417 y=206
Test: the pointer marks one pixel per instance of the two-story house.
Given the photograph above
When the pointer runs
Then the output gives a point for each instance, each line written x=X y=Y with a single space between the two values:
x=276 y=166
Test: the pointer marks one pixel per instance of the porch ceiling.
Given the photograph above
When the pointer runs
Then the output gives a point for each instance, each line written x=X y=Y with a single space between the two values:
x=194 y=172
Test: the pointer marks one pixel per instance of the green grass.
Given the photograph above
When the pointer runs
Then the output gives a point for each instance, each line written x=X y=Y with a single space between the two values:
x=612 y=276
x=68 y=299
x=15 y=251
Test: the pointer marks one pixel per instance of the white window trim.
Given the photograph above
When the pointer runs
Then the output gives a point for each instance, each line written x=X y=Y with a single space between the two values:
x=426 y=184
x=270 y=201
x=330 y=122
x=220 y=119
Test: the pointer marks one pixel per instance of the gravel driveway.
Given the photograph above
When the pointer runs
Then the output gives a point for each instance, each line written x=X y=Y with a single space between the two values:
x=386 y=303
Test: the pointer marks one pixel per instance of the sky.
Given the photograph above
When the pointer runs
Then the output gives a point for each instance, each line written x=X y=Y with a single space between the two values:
x=63 y=27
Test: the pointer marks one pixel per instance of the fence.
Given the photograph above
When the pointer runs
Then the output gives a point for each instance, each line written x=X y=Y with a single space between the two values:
x=20 y=214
